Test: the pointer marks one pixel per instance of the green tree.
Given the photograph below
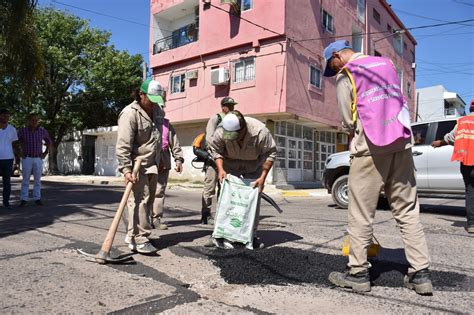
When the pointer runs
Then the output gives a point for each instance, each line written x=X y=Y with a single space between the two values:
x=86 y=81
x=21 y=60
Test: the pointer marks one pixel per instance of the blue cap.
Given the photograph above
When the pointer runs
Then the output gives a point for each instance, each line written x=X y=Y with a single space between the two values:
x=338 y=45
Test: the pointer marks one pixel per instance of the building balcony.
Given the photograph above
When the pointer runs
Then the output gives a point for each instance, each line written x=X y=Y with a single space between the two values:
x=180 y=37
x=175 y=26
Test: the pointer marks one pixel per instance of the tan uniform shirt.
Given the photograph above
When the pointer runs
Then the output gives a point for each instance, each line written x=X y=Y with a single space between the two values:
x=139 y=136
x=211 y=126
x=258 y=144
x=359 y=145
x=173 y=149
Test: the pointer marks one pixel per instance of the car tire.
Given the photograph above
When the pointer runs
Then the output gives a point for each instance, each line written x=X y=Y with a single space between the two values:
x=340 y=191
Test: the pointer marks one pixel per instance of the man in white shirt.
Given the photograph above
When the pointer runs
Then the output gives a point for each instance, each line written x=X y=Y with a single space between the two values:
x=8 y=135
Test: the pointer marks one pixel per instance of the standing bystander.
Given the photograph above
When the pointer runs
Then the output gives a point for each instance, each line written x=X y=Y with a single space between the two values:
x=374 y=112
x=462 y=137
x=170 y=147
x=8 y=136
x=31 y=140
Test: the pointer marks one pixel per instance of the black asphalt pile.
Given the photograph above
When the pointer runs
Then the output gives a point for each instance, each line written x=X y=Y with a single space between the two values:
x=285 y=265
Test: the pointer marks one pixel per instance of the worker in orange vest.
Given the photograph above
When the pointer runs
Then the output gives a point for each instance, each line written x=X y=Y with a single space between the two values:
x=462 y=137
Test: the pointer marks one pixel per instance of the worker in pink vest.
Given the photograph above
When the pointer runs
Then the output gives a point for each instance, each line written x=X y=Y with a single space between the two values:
x=375 y=114
x=170 y=147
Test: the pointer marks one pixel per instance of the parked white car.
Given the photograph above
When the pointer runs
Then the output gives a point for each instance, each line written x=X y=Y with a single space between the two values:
x=436 y=175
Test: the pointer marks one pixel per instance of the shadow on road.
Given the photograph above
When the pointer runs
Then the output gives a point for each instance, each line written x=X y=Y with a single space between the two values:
x=60 y=200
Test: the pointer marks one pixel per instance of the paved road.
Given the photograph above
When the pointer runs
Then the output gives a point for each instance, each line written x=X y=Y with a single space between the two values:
x=43 y=273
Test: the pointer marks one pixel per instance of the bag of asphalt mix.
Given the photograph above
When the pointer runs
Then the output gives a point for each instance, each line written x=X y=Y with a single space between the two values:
x=236 y=209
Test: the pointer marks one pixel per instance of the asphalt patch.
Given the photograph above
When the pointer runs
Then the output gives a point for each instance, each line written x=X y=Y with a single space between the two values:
x=284 y=265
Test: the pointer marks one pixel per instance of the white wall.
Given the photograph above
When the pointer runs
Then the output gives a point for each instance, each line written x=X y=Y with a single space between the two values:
x=105 y=158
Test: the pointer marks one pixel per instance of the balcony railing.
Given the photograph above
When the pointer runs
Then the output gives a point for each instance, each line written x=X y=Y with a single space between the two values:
x=180 y=37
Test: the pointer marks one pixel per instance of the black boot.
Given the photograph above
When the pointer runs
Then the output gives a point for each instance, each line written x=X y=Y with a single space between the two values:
x=420 y=281
x=358 y=282
x=205 y=215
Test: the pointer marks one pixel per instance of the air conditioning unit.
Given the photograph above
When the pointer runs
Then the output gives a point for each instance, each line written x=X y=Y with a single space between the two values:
x=191 y=75
x=219 y=76
x=413 y=65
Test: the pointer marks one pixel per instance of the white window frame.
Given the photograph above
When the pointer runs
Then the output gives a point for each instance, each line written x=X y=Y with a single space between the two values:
x=247 y=75
x=182 y=83
x=327 y=21
x=319 y=85
x=361 y=10
x=242 y=6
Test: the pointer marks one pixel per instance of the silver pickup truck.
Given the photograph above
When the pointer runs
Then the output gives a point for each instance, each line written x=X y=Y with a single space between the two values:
x=436 y=175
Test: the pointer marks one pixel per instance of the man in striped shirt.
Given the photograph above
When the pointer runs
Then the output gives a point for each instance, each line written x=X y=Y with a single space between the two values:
x=31 y=141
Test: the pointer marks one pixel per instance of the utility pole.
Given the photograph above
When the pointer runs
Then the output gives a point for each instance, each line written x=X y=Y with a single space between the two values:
x=144 y=71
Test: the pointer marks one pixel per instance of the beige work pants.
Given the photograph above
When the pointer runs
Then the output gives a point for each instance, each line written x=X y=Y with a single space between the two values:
x=209 y=189
x=395 y=173
x=140 y=205
x=159 y=203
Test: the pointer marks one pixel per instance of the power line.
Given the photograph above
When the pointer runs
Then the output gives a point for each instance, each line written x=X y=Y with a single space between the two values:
x=107 y=15
x=424 y=17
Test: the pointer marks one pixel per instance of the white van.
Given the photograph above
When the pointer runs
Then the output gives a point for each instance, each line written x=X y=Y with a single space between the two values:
x=436 y=175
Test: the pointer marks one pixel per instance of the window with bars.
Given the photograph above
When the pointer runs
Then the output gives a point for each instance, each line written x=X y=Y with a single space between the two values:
x=398 y=43
x=178 y=83
x=246 y=5
x=361 y=10
x=327 y=22
x=315 y=76
x=244 y=70
x=376 y=15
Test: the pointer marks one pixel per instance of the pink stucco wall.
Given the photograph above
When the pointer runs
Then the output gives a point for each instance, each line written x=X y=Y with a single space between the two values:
x=201 y=99
x=282 y=85
x=219 y=30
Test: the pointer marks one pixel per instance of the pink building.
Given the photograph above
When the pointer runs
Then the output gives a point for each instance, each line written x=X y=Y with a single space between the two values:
x=269 y=58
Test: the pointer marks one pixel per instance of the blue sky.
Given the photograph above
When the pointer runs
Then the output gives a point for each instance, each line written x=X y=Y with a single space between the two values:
x=444 y=55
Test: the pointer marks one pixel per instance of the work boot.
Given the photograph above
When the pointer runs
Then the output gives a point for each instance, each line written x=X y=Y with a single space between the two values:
x=470 y=229
x=420 y=282
x=206 y=217
x=257 y=243
x=39 y=202
x=358 y=282
x=158 y=225
x=22 y=203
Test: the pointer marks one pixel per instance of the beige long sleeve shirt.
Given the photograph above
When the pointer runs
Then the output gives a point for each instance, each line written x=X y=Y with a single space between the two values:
x=258 y=144
x=139 y=135
x=359 y=145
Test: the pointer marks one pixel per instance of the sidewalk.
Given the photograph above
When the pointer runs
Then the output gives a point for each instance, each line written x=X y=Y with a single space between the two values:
x=118 y=181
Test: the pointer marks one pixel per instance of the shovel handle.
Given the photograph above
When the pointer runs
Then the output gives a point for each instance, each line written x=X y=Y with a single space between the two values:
x=109 y=239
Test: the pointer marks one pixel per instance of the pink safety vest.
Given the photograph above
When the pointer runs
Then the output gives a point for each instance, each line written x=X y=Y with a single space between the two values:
x=378 y=99
x=164 y=135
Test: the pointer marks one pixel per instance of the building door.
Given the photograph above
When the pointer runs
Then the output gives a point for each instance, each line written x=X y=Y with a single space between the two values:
x=326 y=147
x=88 y=154
x=295 y=158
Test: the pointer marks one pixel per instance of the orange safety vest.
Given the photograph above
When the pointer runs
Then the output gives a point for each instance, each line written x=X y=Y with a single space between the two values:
x=464 y=141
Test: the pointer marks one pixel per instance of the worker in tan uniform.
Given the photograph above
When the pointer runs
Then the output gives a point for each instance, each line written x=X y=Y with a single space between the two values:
x=243 y=146
x=210 y=178
x=139 y=136
x=170 y=147
x=381 y=157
